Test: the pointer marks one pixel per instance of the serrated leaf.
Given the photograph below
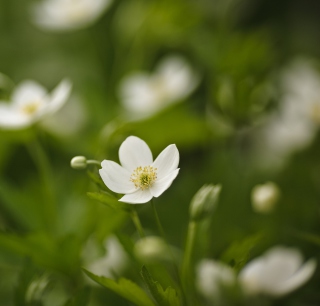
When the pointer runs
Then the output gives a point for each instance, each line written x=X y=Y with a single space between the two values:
x=109 y=200
x=168 y=297
x=125 y=288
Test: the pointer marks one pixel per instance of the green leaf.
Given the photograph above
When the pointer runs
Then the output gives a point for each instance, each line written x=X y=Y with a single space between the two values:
x=109 y=200
x=125 y=288
x=168 y=297
x=238 y=253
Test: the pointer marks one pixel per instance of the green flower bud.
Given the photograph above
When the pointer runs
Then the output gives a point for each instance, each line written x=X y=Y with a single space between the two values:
x=204 y=202
x=264 y=197
x=79 y=162
x=152 y=249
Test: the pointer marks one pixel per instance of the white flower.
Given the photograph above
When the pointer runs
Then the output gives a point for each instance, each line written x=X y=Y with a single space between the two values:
x=276 y=273
x=30 y=102
x=295 y=124
x=145 y=94
x=264 y=197
x=113 y=262
x=59 y=15
x=140 y=178
x=211 y=275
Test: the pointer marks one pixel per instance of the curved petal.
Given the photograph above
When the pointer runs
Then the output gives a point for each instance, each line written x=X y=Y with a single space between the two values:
x=12 y=119
x=138 y=197
x=167 y=161
x=298 y=279
x=163 y=184
x=59 y=96
x=134 y=152
x=28 y=91
x=116 y=177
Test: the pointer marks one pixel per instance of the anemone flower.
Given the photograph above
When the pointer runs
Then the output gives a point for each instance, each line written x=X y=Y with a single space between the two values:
x=140 y=178
x=30 y=102
x=278 y=272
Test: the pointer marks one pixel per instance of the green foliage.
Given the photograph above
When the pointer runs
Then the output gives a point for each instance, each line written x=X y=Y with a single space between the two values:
x=168 y=297
x=125 y=288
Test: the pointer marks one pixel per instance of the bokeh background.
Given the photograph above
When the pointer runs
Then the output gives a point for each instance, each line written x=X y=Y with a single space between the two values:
x=242 y=53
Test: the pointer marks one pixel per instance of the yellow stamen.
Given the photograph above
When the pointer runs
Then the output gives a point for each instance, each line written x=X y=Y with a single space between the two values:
x=144 y=177
x=30 y=108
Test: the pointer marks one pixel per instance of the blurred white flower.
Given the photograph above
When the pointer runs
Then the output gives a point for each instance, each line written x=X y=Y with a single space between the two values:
x=60 y=15
x=30 y=102
x=211 y=275
x=144 y=94
x=278 y=272
x=295 y=125
x=139 y=177
x=112 y=263
x=264 y=197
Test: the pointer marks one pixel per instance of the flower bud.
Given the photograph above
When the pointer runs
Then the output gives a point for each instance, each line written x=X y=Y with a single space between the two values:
x=152 y=249
x=79 y=162
x=204 y=202
x=264 y=197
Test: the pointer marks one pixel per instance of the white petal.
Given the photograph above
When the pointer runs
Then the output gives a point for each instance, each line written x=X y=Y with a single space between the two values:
x=167 y=161
x=10 y=118
x=59 y=96
x=298 y=279
x=163 y=184
x=116 y=177
x=134 y=152
x=138 y=197
x=28 y=91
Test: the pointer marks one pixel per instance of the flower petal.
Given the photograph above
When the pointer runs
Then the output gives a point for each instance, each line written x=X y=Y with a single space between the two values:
x=116 y=177
x=134 y=152
x=138 y=197
x=28 y=91
x=59 y=96
x=298 y=279
x=167 y=161
x=163 y=184
x=11 y=119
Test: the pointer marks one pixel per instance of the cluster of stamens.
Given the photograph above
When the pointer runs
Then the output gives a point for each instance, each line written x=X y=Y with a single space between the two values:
x=144 y=177
x=30 y=108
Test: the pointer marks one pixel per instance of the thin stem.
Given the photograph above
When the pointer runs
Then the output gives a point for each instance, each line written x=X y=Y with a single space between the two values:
x=43 y=165
x=136 y=221
x=187 y=260
x=156 y=216
x=93 y=162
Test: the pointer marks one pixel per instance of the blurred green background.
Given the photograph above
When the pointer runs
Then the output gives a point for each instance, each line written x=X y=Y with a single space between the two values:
x=239 y=49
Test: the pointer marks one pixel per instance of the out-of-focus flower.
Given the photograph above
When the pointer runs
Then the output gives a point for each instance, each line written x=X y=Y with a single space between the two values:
x=204 y=201
x=144 y=94
x=60 y=15
x=139 y=177
x=295 y=124
x=112 y=263
x=152 y=249
x=30 y=102
x=264 y=197
x=278 y=272
x=211 y=275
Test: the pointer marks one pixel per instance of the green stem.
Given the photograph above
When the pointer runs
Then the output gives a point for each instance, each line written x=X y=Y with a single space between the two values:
x=136 y=221
x=187 y=260
x=43 y=165
x=156 y=216
x=93 y=162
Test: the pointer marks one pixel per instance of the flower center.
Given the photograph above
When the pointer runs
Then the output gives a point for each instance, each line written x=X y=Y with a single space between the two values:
x=144 y=177
x=30 y=108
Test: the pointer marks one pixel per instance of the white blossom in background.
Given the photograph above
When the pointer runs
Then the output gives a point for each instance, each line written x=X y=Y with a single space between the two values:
x=211 y=275
x=294 y=126
x=279 y=271
x=264 y=197
x=112 y=263
x=139 y=177
x=61 y=15
x=30 y=102
x=144 y=94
